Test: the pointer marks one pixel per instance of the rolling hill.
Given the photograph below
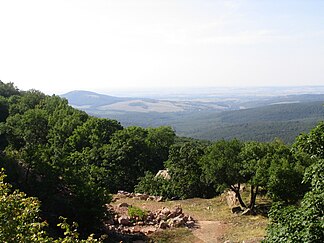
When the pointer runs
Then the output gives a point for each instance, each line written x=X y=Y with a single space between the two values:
x=284 y=116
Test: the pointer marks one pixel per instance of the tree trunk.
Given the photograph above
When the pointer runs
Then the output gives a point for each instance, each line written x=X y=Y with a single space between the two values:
x=253 y=196
x=238 y=194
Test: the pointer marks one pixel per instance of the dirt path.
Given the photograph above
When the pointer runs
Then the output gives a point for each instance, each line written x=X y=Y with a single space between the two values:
x=210 y=231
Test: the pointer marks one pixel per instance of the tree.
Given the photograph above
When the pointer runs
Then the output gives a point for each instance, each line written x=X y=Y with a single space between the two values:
x=126 y=158
x=94 y=133
x=222 y=165
x=304 y=223
x=159 y=141
x=20 y=220
x=8 y=89
x=185 y=171
x=313 y=142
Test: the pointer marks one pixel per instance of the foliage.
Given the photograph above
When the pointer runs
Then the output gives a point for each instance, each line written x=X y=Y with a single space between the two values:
x=185 y=171
x=152 y=185
x=304 y=223
x=136 y=212
x=20 y=220
x=221 y=165
x=312 y=143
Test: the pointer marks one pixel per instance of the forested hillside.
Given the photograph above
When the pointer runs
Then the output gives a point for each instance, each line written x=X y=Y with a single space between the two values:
x=284 y=121
x=252 y=116
x=73 y=162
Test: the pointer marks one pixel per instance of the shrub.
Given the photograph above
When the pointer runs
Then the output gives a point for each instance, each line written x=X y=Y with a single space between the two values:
x=136 y=212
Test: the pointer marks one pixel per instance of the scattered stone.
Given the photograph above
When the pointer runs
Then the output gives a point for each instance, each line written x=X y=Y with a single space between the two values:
x=159 y=219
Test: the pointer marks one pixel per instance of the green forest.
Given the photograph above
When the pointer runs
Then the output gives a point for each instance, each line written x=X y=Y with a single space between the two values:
x=61 y=166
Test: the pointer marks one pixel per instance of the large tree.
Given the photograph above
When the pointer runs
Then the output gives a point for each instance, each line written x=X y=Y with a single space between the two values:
x=222 y=165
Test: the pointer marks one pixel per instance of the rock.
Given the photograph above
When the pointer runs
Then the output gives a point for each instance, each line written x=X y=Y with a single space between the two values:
x=151 y=198
x=148 y=230
x=164 y=174
x=123 y=205
x=140 y=223
x=176 y=211
x=231 y=199
x=163 y=225
x=176 y=222
x=123 y=220
x=190 y=224
x=158 y=198
x=144 y=197
x=165 y=211
x=135 y=229
x=236 y=210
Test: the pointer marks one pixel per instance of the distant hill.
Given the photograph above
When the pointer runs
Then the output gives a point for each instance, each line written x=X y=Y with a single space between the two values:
x=90 y=99
x=95 y=103
x=253 y=117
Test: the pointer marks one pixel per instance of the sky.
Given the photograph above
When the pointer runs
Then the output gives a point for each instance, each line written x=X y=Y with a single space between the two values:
x=62 y=45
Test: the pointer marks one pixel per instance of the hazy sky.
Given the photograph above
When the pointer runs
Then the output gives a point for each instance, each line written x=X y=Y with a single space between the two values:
x=62 y=45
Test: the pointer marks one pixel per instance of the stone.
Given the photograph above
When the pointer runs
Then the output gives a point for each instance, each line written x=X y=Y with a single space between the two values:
x=148 y=230
x=151 y=198
x=177 y=210
x=231 y=199
x=123 y=220
x=163 y=225
x=144 y=197
x=158 y=198
x=164 y=174
x=123 y=205
x=176 y=222
x=190 y=224
x=165 y=211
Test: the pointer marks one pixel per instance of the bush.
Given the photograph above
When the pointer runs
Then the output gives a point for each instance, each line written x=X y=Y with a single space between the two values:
x=152 y=185
x=136 y=212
